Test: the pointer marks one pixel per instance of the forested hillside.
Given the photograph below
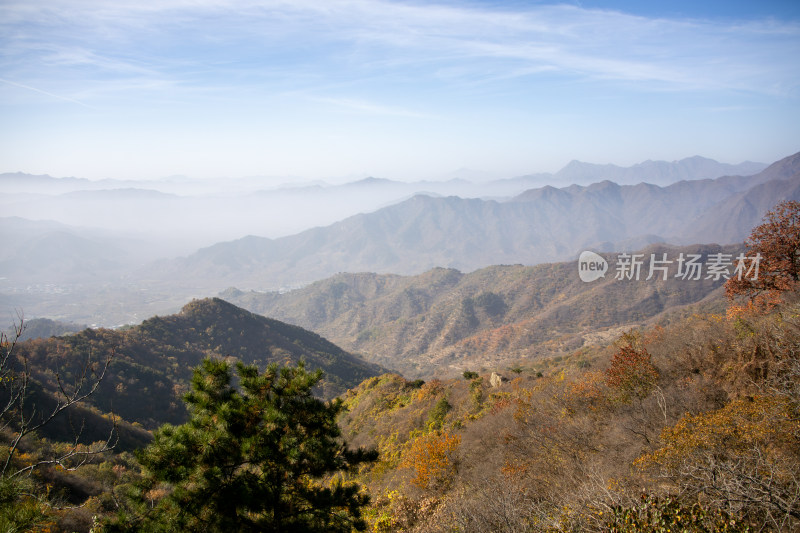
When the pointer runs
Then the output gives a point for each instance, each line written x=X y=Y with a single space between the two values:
x=443 y=321
x=150 y=364
x=692 y=427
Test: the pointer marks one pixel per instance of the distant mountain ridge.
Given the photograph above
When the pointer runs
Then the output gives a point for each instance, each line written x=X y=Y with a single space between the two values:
x=445 y=321
x=93 y=275
x=45 y=328
x=540 y=225
x=654 y=172
x=184 y=214
x=575 y=172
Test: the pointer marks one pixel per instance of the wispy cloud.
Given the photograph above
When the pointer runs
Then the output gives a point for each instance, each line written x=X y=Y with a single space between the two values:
x=46 y=93
x=354 y=38
x=194 y=81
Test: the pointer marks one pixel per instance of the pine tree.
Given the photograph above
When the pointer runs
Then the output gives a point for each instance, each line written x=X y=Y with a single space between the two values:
x=251 y=458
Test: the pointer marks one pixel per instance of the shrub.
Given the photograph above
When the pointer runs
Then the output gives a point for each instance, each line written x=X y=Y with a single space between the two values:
x=667 y=514
x=631 y=374
x=433 y=459
x=437 y=413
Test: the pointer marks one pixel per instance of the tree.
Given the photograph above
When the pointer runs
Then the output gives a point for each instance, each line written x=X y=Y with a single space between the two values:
x=25 y=408
x=742 y=458
x=631 y=373
x=432 y=456
x=777 y=243
x=251 y=458
x=665 y=514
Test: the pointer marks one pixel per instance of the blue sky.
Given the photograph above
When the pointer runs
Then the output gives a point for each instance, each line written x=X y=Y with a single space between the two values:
x=395 y=89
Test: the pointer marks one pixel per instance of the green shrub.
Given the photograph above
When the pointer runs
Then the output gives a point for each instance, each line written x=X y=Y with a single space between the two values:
x=437 y=414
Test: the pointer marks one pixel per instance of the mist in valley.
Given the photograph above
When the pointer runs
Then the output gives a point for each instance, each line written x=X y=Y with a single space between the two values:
x=110 y=252
x=150 y=155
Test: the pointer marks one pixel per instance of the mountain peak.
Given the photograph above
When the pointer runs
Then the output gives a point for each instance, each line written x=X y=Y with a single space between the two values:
x=603 y=185
x=371 y=180
x=214 y=326
x=695 y=159
x=210 y=307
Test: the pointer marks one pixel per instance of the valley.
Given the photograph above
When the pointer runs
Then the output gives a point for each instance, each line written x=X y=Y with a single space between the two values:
x=443 y=322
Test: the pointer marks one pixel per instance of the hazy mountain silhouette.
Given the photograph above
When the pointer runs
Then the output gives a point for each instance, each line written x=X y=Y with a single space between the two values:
x=655 y=172
x=541 y=225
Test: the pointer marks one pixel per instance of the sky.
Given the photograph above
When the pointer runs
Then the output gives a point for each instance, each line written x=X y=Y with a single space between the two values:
x=316 y=89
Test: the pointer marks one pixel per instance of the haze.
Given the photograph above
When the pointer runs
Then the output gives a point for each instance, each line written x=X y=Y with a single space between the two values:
x=400 y=90
x=138 y=132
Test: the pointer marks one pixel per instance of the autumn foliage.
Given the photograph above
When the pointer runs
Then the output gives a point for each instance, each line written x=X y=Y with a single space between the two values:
x=631 y=373
x=742 y=458
x=777 y=242
x=693 y=426
x=688 y=427
x=432 y=457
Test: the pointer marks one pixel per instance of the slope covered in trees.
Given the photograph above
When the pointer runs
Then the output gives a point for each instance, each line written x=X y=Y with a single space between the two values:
x=72 y=408
x=152 y=362
x=692 y=427
x=443 y=321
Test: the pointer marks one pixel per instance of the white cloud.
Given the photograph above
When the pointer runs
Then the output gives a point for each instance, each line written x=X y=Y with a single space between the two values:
x=135 y=39
x=230 y=77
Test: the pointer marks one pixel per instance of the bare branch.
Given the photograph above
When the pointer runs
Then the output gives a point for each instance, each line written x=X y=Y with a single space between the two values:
x=24 y=419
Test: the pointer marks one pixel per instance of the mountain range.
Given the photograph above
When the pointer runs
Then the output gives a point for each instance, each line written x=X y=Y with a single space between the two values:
x=110 y=253
x=539 y=396
x=444 y=321
x=179 y=215
x=576 y=172
x=540 y=225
